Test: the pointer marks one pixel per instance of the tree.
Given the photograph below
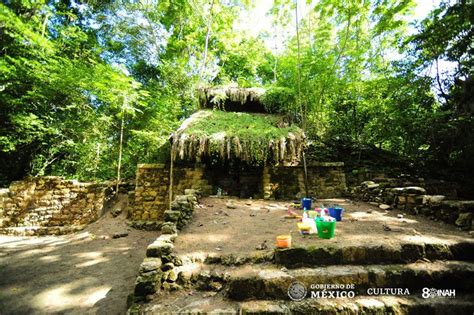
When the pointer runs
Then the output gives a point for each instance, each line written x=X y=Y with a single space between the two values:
x=57 y=96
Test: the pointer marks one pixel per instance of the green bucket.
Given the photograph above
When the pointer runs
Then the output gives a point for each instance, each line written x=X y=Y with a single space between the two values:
x=325 y=229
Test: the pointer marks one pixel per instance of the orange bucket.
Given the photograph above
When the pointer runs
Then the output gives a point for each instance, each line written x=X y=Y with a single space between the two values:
x=284 y=241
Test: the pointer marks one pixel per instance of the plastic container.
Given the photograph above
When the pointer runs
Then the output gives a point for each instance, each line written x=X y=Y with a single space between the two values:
x=326 y=229
x=312 y=226
x=336 y=213
x=306 y=203
x=283 y=241
x=312 y=214
x=303 y=228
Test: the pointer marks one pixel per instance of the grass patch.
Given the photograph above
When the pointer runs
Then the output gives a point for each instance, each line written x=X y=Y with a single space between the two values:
x=251 y=137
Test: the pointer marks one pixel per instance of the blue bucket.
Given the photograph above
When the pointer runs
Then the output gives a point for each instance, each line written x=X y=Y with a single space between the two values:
x=336 y=213
x=306 y=203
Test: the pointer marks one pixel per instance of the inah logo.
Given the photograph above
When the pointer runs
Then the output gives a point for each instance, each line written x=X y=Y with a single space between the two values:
x=432 y=293
x=297 y=291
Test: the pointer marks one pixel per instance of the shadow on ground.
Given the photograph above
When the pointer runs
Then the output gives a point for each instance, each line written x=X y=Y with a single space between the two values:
x=85 y=273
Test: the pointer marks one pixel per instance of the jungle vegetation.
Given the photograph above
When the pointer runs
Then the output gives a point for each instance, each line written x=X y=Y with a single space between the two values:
x=84 y=82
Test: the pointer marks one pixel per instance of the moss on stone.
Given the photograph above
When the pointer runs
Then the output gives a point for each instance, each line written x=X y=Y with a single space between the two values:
x=253 y=138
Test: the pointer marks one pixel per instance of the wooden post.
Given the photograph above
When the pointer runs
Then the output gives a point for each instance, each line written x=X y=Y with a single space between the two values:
x=171 y=179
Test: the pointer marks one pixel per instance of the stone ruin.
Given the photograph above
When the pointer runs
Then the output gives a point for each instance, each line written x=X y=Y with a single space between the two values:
x=279 y=174
x=150 y=199
x=53 y=205
x=410 y=195
x=160 y=269
x=50 y=205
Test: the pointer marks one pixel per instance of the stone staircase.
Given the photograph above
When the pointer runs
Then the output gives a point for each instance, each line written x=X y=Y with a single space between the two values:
x=259 y=284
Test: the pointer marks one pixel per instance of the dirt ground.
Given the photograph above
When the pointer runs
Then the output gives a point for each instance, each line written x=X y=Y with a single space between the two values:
x=83 y=273
x=218 y=230
x=91 y=273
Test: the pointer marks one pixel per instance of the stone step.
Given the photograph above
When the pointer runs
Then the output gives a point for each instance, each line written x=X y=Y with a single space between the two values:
x=374 y=254
x=377 y=253
x=217 y=304
x=362 y=305
x=229 y=259
x=270 y=282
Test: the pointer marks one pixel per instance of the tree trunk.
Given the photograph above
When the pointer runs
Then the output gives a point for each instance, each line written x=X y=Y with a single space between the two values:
x=120 y=148
x=303 y=109
x=97 y=160
x=303 y=112
x=206 y=43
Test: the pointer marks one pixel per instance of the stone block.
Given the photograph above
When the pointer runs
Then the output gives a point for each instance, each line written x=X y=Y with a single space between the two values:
x=451 y=205
x=433 y=199
x=411 y=199
x=467 y=205
x=464 y=220
x=169 y=228
x=150 y=264
x=172 y=275
x=181 y=199
x=172 y=216
x=370 y=185
x=154 y=216
x=190 y=192
x=159 y=248
x=414 y=190
x=438 y=251
x=412 y=252
x=147 y=283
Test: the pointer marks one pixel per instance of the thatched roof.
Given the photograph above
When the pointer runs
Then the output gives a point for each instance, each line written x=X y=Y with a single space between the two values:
x=232 y=99
x=253 y=138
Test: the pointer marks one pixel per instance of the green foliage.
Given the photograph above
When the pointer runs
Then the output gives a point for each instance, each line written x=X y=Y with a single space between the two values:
x=254 y=138
x=60 y=113
x=446 y=36
x=64 y=80
x=245 y=126
x=280 y=100
x=70 y=73
x=353 y=93
x=246 y=62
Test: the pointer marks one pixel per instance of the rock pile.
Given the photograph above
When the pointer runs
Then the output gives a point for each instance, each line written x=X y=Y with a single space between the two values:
x=411 y=196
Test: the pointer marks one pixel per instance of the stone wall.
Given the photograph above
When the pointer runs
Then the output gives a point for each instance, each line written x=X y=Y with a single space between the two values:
x=191 y=177
x=151 y=193
x=389 y=189
x=49 y=205
x=151 y=197
x=355 y=176
x=450 y=189
x=325 y=180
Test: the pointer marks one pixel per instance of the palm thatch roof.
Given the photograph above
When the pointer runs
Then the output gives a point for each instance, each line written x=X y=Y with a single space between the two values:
x=253 y=138
x=232 y=99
